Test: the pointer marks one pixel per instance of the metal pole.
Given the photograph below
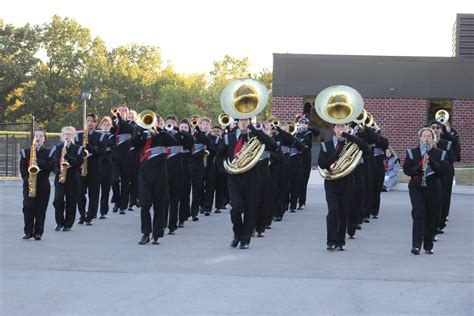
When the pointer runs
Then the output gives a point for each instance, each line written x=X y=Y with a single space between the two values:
x=32 y=128
x=6 y=157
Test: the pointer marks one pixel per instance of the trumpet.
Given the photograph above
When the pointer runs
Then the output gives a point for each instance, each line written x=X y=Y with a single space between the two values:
x=275 y=123
x=169 y=127
x=224 y=120
x=259 y=125
x=114 y=111
x=292 y=127
x=194 y=122
x=147 y=120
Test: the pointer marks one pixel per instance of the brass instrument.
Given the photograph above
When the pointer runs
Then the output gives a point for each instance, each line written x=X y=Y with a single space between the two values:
x=63 y=165
x=258 y=125
x=147 y=120
x=340 y=105
x=194 y=122
x=360 y=120
x=85 y=141
x=33 y=170
x=243 y=99
x=275 y=123
x=169 y=127
x=292 y=127
x=370 y=122
x=114 y=111
x=425 y=166
x=224 y=120
x=442 y=116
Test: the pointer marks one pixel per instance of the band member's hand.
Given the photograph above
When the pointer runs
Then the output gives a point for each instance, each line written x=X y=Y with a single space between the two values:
x=331 y=167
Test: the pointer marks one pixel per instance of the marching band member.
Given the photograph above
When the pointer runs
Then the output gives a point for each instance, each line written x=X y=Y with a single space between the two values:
x=305 y=134
x=338 y=192
x=90 y=183
x=378 y=149
x=188 y=143
x=36 y=163
x=210 y=167
x=174 y=164
x=152 y=180
x=295 y=172
x=425 y=165
x=201 y=142
x=220 y=178
x=67 y=182
x=121 y=162
x=106 y=166
x=243 y=186
x=135 y=166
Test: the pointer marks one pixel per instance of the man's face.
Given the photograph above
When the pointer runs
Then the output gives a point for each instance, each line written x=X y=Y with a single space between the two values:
x=426 y=138
x=91 y=123
x=106 y=126
x=339 y=129
x=39 y=138
x=205 y=126
x=217 y=132
x=243 y=124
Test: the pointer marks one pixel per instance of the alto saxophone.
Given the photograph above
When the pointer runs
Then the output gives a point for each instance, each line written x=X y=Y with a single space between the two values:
x=63 y=165
x=85 y=153
x=33 y=170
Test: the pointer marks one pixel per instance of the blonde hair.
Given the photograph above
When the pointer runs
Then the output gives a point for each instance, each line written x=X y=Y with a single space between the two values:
x=66 y=128
x=105 y=119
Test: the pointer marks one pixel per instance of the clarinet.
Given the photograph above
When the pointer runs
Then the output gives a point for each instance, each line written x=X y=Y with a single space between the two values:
x=425 y=168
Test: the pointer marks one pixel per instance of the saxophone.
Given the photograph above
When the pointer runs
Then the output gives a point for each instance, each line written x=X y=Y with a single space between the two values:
x=63 y=165
x=85 y=153
x=33 y=170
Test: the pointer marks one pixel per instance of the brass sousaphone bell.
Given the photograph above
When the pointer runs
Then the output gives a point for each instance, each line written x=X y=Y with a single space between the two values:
x=442 y=116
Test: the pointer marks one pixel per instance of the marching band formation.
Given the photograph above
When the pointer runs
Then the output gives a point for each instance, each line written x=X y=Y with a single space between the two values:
x=175 y=170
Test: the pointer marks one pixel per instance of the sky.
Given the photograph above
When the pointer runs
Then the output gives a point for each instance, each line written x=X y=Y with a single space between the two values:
x=193 y=34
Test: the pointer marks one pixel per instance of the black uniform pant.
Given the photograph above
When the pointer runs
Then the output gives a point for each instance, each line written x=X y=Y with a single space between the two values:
x=306 y=163
x=34 y=209
x=154 y=191
x=105 y=176
x=65 y=199
x=338 y=198
x=198 y=174
x=283 y=190
x=121 y=175
x=446 y=198
x=222 y=194
x=175 y=180
x=356 y=209
x=210 y=183
x=184 y=203
x=243 y=198
x=369 y=185
x=425 y=204
x=90 y=185
x=263 y=210
x=274 y=176
x=296 y=178
x=135 y=165
x=379 y=174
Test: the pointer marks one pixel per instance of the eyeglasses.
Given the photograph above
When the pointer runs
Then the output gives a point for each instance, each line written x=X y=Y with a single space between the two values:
x=435 y=127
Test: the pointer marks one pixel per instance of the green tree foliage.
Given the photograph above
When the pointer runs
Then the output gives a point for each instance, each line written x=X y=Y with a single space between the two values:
x=44 y=69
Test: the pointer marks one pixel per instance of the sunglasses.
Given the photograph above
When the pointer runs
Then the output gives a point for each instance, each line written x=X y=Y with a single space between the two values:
x=435 y=127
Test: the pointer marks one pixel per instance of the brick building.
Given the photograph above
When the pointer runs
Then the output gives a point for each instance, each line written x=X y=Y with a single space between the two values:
x=403 y=93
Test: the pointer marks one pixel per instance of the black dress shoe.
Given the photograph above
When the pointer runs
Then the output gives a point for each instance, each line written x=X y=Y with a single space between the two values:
x=268 y=227
x=122 y=212
x=293 y=211
x=435 y=238
x=88 y=223
x=58 y=227
x=171 y=232
x=244 y=245
x=27 y=236
x=145 y=239
x=181 y=224
x=66 y=229
x=156 y=241
x=351 y=237
x=217 y=211
x=201 y=211
x=358 y=227
x=429 y=251
x=207 y=213
x=331 y=247
x=439 y=231
x=253 y=234
x=115 y=209
x=102 y=216
x=277 y=219
x=195 y=218
x=37 y=237
x=415 y=251
x=375 y=216
x=366 y=220
x=261 y=234
x=234 y=243
x=81 y=221
x=341 y=248
x=301 y=207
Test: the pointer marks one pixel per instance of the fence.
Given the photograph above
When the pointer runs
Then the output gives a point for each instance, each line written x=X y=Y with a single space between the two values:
x=14 y=137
